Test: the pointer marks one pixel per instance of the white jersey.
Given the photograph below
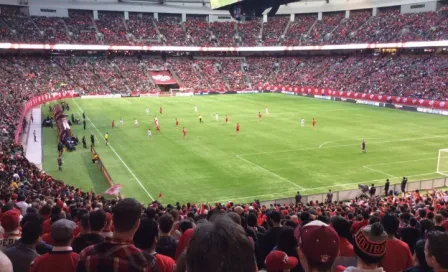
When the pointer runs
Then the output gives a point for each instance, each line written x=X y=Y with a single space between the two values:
x=195 y=108
x=302 y=123
x=121 y=121
x=136 y=122
x=217 y=117
x=147 y=111
x=149 y=133
x=267 y=111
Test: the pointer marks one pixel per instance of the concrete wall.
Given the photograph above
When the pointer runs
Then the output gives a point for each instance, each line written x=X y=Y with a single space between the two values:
x=48 y=11
x=419 y=7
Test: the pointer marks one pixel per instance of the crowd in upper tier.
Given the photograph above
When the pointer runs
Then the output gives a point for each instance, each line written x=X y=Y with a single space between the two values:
x=389 y=25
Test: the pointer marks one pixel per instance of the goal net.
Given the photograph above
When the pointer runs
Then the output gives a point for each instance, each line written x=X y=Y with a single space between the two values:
x=442 y=162
x=173 y=92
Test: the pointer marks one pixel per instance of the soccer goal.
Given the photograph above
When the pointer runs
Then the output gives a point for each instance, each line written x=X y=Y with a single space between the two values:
x=442 y=162
x=175 y=92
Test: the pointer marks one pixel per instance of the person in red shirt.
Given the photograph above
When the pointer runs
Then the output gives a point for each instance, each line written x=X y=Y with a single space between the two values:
x=445 y=219
x=398 y=256
x=177 y=123
x=113 y=123
x=227 y=119
x=157 y=128
x=360 y=224
x=184 y=132
x=61 y=256
x=314 y=123
x=259 y=116
x=161 y=111
x=237 y=128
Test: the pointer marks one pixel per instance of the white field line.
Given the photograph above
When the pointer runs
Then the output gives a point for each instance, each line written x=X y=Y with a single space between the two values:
x=335 y=146
x=274 y=174
x=127 y=101
x=316 y=188
x=325 y=144
x=116 y=154
x=378 y=171
x=395 y=162
x=441 y=173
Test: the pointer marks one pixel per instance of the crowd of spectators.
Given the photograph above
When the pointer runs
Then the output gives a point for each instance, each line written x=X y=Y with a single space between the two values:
x=191 y=78
x=389 y=25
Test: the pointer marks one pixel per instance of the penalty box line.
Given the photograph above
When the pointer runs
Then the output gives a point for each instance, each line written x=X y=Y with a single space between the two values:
x=116 y=154
x=270 y=172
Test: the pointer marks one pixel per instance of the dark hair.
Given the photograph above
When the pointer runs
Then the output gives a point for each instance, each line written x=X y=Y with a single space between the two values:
x=174 y=213
x=374 y=219
x=376 y=230
x=126 y=214
x=341 y=226
x=97 y=220
x=365 y=215
x=146 y=234
x=31 y=217
x=419 y=251
x=252 y=220
x=438 y=218
x=234 y=217
x=31 y=232
x=85 y=221
x=166 y=223
x=413 y=222
x=287 y=241
x=438 y=247
x=55 y=210
x=224 y=243
x=390 y=223
x=185 y=225
x=45 y=210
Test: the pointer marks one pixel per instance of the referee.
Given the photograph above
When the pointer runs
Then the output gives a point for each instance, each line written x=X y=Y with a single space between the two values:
x=363 y=146
x=200 y=119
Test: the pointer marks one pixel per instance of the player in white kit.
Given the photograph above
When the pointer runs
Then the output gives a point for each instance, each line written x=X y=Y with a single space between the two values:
x=217 y=117
x=135 y=123
x=302 y=122
x=267 y=110
x=156 y=121
x=121 y=121
x=147 y=110
x=149 y=134
x=195 y=108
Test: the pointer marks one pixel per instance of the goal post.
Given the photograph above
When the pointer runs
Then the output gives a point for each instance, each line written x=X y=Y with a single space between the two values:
x=442 y=162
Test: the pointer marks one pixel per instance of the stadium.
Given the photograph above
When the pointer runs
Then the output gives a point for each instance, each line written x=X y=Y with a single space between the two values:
x=222 y=135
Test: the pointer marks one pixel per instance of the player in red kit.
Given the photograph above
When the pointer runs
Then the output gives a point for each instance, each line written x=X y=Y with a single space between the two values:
x=157 y=128
x=161 y=111
x=237 y=128
x=184 y=132
x=113 y=123
x=314 y=123
x=177 y=123
x=259 y=116
x=227 y=119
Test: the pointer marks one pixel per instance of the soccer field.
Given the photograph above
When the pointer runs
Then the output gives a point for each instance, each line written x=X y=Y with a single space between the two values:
x=269 y=159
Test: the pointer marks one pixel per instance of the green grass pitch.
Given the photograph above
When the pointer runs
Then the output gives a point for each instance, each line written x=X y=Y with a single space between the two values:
x=269 y=159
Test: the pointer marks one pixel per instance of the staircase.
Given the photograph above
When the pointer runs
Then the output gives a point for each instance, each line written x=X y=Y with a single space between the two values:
x=176 y=76
x=283 y=36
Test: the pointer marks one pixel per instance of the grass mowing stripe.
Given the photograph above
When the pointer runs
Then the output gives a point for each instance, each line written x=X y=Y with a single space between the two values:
x=115 y=152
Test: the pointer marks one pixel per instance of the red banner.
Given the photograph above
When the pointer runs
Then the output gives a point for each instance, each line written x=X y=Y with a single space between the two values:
x=407 y=101
x=36 y=101
x=162 y=77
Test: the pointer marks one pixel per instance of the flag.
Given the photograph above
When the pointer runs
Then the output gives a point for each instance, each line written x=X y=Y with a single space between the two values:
x=202 y=209
x=160 y=195
x=113 y=190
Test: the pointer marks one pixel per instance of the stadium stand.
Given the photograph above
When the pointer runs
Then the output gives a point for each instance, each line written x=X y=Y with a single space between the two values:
x=111 y=26
x=141 y=25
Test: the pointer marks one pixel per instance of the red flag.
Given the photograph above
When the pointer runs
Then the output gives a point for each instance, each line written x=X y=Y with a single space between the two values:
x=160 y=195
x=114 y=190
x=202 y=210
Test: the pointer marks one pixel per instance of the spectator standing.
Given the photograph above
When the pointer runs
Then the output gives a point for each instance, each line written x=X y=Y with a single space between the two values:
x=22 y=204
x=436 y=250
x=386 y=187
x=60 y=162
x=288 y=244
x=298 y=198
x=166 y=245
x=370 y=245
x=372 y=190
x=23 y=252
x=61 y=256
x=318 y=246
x=118 y=253
x=96 y=223
x=398 y=255
x=10 y=222
x=145 y=238
x=329 y=196
x=360 y=224
x=438 y=219
x=404 y=181
x=420 y=264
x=346 y=256
x=410 y=234
x=220 y=246
x=270 y=239
x=425 y=224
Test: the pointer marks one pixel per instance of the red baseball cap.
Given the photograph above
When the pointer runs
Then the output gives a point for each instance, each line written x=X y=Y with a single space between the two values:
x=10 y=220
x=278 y=261
x=319 y=243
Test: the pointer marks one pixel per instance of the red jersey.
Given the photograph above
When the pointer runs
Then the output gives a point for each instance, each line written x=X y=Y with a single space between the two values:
x=161 y=110
x=237 y=127
x=184 y=131
x=177 y=123
x=157 y=128
x=259 y=115
x=113 y=124
x=227 y=119
x=398 y=256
